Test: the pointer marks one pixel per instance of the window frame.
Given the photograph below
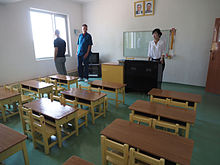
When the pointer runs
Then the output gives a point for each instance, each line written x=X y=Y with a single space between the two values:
x=68 y=37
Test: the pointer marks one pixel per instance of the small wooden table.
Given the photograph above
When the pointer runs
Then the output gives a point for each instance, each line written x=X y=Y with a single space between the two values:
x=110 y=87
x=65 y=80
x=8 y=97
x=174 y=148
x=187 y=100
x=37 y=87
x=181 y=116
x=11 y=142
x=75 y=160
x=87 y=98
x=57 y=114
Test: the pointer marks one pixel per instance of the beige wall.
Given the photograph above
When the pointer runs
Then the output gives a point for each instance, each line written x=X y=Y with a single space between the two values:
x=193 y=19
x=17 y=59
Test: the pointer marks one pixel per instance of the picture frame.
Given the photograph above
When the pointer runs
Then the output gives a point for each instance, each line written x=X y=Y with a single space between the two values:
x=148 y=7
x=139 y=8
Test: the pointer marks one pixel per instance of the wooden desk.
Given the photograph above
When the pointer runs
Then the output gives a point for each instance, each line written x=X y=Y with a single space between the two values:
x=87 y=98
x=37 y=87
x=65 y=80
x=113 y=72
x=75 y=160
x=11 y=142
x=187 y=100
x=57 y=114
x=8 y=97
x=163 y=112
x=110 y=87
x=156 y=142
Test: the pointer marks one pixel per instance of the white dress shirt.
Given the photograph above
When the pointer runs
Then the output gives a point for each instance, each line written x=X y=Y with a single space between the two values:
x=156 y=51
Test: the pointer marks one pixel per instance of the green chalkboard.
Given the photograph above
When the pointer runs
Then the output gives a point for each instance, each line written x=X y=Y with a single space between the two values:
x=135 y=44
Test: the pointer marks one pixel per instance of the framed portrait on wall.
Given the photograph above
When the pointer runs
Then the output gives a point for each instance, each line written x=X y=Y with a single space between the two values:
x=149 y=7
x=138 y=8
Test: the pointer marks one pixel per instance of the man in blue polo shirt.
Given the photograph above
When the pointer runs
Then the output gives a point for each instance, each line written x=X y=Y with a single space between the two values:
x=83 y=52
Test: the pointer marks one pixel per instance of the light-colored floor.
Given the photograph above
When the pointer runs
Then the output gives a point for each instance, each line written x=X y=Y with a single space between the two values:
x=205 y=132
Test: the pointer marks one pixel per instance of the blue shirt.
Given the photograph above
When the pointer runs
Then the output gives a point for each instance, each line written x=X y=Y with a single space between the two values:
x=83 y=42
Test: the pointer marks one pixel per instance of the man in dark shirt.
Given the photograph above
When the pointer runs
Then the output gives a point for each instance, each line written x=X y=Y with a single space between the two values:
x=59 y=54
x=83 y=52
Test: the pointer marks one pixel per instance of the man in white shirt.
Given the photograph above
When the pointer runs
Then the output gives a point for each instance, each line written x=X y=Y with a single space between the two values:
x=156 y=49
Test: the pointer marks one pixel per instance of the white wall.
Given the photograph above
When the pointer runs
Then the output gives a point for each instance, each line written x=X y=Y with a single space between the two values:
x=17 y=59
x=193 y=19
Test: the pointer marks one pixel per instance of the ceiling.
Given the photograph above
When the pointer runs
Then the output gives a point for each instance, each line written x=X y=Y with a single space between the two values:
x=12 y=1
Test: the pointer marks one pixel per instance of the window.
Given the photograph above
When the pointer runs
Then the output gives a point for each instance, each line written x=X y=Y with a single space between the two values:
x=44 y=24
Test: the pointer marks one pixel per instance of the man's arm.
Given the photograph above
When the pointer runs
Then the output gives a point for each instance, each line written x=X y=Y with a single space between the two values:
x=88 y=50
x=55 y=52
x=76 y=50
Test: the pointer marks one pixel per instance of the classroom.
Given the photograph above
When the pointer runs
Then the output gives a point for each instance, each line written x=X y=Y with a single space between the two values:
x=118 y=102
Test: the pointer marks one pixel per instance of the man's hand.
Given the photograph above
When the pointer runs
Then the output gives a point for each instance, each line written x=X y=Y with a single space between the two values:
x=85 y=56
x=162 y=60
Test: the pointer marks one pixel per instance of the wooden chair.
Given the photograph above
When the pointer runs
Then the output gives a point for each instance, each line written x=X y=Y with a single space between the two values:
x=179 y=104
x=140 y=119
x=160 y=100
x=81 y=113
x=113 y=152
x=44 y=79
x=56 y=88
x=166 y=126
x=16 y=88
x=137 y=158
x=42 y=132
x=25 y=116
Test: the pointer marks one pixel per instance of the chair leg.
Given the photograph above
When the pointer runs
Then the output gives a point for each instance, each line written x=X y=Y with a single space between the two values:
x=86 y=120
x=46 y=146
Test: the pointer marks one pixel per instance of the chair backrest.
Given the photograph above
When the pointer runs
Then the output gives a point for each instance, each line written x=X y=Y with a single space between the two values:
x=54 y=82
x=179 y=104
x=140 y=119
x=44 y=79
x=64 y=101
x=166 y=126
x=114 y=152
x=26 y=118
x=160 y=100
x=135 y=156
x=54 y=97
x=38 y=123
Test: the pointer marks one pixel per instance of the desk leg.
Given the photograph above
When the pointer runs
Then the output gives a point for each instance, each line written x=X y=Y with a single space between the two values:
x=77 y=124
x=68 y=84
x=25 y=154
x=123 y=93
x=116 y=97
x=77 y=84
x=2 y=107
x=93 y=113
x=59 y=137
x=104 y=107
x=187 y=130
x=195 y=106
x=151 y=98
